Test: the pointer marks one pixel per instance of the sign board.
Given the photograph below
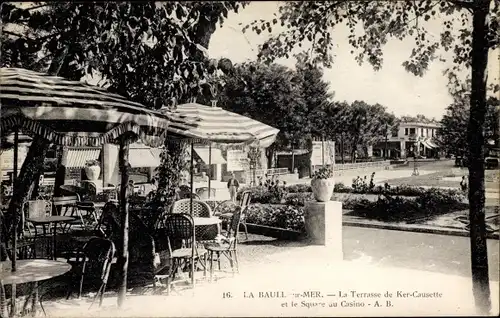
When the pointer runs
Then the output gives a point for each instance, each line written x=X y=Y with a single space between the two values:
x=237 y=160
x=323 y=153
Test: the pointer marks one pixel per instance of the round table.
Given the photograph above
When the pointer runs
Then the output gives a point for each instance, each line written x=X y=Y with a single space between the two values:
x=54 y=219
x=204 y=227
x=31 y=271
x=199 y=221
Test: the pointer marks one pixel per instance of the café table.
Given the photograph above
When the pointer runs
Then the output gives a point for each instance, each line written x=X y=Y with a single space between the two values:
x=203 y=225
x=47 y=220
x=31 y=271
x=200 y=221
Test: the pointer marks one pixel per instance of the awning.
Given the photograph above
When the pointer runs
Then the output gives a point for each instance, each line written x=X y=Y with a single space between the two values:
x=142 y=158
x=427 y=144
x=78 y=157
x=430 y=142
x=216 y=155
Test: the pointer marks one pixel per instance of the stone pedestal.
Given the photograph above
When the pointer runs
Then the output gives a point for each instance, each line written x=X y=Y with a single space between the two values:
x=323 y=221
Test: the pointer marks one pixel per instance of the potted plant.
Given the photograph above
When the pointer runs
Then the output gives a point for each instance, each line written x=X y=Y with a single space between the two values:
x=322 y=184
x=93 y=169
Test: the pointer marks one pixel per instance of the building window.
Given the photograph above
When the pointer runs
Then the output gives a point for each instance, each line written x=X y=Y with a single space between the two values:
x=394 y=133
x=406 y=131
x=412 y=131
x=421 y=131
x=427 y=132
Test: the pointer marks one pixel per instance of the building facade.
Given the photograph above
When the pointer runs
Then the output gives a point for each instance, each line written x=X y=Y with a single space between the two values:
x=411 y=138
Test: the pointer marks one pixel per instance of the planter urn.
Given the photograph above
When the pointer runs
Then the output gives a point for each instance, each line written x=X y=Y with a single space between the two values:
x=93 y=172
x=322 y=189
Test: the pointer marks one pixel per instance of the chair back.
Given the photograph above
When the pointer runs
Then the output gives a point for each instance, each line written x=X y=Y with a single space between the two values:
x=234 y=226
x=70 y=190
x=85 y=206
x=39 y=208
x=99 y=253
x=200 y=208
x=246 y=197
x=180 y=230
x=64 y=201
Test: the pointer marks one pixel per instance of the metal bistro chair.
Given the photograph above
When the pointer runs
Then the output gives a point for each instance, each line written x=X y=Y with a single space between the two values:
x=222 y=209
x=87 y=214
x=182 y=247
x=200 y=209
x=94 y=262
x=33 y=235
x=227 y=246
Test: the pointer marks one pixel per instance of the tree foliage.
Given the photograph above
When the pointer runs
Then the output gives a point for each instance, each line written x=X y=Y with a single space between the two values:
x=150 y=52
x=371 y=24
x=270 y=94
x=452 y=135
x=317 y=97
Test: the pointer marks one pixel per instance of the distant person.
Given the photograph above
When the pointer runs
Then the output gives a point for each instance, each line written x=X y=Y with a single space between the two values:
x=233 y=186
x=463 y=184
x=131 y=187
x=154 y=187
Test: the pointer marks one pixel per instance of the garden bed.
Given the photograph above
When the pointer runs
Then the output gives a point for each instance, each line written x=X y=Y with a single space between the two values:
x=275 y=232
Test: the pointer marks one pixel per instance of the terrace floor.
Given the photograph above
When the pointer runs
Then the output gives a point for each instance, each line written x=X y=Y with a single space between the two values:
x=374 y=261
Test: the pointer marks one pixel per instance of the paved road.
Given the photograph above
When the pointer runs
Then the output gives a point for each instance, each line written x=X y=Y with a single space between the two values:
x=429 y=252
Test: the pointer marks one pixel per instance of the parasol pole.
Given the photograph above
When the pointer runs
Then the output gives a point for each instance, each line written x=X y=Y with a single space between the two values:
x=323 y=151
x=14 y=179
x=14 y=225
x=192 y=180
x=209 y=167
x=123 y=156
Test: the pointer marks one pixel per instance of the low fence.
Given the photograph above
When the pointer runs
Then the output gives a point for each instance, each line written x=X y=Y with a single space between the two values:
x=249 y=174
x=359 y=166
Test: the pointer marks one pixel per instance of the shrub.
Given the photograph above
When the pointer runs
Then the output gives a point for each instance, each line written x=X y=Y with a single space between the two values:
x=340 y=187
x=268 y=194
x=396 y=208
x=298 y=199
x=361 y=185
x=280 y=216
x=299 y=188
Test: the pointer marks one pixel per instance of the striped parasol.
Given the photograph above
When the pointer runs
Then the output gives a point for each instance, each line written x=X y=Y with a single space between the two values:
x=72 y=113
x=215 y=125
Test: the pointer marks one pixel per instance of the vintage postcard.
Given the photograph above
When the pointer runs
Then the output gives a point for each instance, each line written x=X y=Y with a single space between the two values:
x=249 y=158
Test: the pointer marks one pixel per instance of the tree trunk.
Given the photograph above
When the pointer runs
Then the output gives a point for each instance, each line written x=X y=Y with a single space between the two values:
x=342 y=148
x=32 y=167
x=206 y=27
x=123 y=257
x=60 y=172
x=475 y=136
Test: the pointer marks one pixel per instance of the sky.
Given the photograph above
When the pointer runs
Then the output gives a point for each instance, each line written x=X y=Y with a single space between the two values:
x=401 y=92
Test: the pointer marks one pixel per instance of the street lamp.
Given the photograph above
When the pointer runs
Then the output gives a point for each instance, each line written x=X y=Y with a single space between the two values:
x=415 y=169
